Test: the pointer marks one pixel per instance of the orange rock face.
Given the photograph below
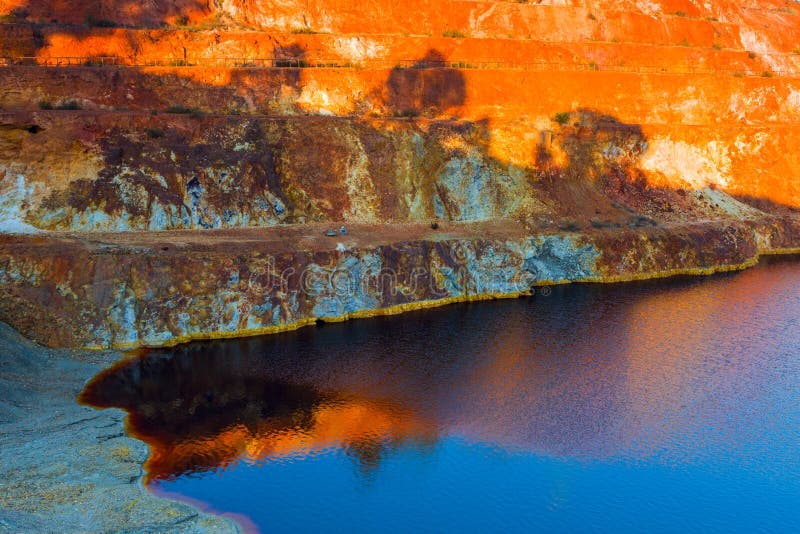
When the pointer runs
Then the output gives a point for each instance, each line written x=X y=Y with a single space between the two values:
x=559 y=116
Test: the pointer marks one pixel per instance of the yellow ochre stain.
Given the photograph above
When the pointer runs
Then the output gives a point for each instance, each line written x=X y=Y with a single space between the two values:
x=434 y=303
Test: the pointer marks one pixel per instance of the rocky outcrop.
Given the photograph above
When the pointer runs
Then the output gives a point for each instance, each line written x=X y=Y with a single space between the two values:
x=90 y=172
x=129 y=290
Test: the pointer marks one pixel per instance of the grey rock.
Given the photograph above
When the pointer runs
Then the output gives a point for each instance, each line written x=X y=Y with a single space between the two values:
x=65 y=467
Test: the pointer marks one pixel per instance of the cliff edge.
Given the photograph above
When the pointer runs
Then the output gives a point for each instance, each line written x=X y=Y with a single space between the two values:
x=167 y=170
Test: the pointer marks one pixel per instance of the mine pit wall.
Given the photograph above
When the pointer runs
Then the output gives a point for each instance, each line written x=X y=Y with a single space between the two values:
x=482 y=144
x=73 y=292
x=724 y=52
x=658 y=138
x=665 y=22
x=473 y=94
x=79 y=171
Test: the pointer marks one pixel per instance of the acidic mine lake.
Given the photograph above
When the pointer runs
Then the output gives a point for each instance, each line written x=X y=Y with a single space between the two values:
x=667 y=406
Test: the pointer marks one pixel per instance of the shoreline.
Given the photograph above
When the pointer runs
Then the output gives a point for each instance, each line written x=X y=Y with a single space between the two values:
x=432 y=304
x=94 y=477
x=66 y=467
x=149 y=290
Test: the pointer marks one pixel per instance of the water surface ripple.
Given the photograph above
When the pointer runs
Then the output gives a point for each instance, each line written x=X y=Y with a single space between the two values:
x=660 y=406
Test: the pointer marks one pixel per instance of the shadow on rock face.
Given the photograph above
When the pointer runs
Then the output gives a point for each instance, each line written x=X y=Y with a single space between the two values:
x=428 y=85
x=239 y=168
x=116 y=13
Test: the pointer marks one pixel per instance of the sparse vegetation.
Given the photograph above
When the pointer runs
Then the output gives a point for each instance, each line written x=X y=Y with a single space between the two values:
x=738 y=74
x=206 y=24
x=591 y=16
x=44 y=104
x=569 y=225
x=766 y=74
x=407 y=113
x=685 y=42
x=600 y=223
x=154 y=133
x=93 y=22
x=712 y=19
x=303 y=29
x=751 y=55
x=641 y=220
x=18 y=14
x=681 y=14
x=561 y=118
x=183 y=110
x=182 y=20
x=455 y=34
x=716 y=46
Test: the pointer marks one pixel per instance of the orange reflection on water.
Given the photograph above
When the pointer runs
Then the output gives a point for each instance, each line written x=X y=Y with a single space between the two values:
x=590 y=372
x=192 y=428
x=355 y=425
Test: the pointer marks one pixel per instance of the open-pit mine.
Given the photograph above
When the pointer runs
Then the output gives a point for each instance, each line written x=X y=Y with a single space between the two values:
x=184 y=183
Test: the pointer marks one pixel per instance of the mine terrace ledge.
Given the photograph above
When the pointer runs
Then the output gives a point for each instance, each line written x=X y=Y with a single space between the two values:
x=126 y=290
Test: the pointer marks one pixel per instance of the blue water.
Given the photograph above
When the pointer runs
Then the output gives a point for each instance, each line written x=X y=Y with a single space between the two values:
x=655 y=407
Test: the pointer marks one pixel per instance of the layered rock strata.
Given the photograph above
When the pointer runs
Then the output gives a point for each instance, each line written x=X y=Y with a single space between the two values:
x=130 y=290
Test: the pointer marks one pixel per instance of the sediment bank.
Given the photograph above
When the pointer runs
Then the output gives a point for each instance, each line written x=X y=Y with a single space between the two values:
x=70 y=468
